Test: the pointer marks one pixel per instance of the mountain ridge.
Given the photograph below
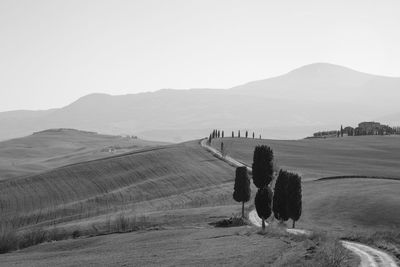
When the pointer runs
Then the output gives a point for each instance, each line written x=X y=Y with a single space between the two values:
x=314 y=97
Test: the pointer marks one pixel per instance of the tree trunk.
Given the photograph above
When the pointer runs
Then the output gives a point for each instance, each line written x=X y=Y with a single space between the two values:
x=242 y=209
x=263 y=224
x=294 y=223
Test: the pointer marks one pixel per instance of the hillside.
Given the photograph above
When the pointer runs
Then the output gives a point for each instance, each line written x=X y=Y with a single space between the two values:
x=293 y=105
x=142 y=181
x=180 y=189
x=317 y=158
x=53 y=148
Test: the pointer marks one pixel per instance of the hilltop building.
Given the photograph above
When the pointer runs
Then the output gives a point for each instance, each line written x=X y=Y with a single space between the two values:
x=373 y=128
x=364 y=128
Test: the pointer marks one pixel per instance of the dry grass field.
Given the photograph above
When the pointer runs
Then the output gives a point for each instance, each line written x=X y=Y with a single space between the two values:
x=160 y=178
x=53 y=148
x=338 y=203
x=175 y=191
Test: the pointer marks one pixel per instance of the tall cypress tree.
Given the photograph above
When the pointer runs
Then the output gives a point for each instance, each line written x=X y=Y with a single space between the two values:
x=294 y=197
x=242 y=191
x=247 y=134
x=263 y=168
x=280 y=202
x=239 y=133
x=222 y=134
x=233 y=135
x=263 y=201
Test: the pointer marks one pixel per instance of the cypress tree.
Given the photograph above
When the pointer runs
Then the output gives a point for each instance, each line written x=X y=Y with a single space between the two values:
x=209 y=140
x=222 y=134
x=253 y=135
x=294 y=197
x=262 y=202
x=263 y=168
x=219 y=133
x=239 y=133
x=247 y=134
x=233 y=135
x=341 y=130
x=242 y=189
x=280 y=205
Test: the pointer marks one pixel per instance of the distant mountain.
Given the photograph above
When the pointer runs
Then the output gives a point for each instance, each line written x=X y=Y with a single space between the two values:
x=329 y=83
x=314 y=97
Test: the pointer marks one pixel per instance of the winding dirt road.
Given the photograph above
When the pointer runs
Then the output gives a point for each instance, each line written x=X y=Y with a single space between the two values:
x=370 y=257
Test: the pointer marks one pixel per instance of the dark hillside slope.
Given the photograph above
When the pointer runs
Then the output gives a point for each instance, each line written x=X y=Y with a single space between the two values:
x=176 y=176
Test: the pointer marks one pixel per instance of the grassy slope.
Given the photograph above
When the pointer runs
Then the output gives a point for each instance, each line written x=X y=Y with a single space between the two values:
x=341 y=204
x=57 y=147
x=351 y=204
x=174 y=176
x=177 y=247
x=315 y=158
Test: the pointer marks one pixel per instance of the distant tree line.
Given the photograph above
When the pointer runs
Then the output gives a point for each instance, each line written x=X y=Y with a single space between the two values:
x=221 y=134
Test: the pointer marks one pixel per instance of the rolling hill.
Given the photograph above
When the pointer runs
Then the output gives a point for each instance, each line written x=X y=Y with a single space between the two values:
x=173 y=177
x=53 y=148
x=182 y=188
x=311 y=98
x=142 y=181
x=317 y=158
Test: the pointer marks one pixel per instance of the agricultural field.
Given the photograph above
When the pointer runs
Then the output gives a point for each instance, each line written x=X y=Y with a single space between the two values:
x=53 y=148
x=160 y=178
x=171 y=194
x=317 y=158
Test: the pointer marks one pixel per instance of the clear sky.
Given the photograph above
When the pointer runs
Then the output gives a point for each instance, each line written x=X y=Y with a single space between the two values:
x=53 y=52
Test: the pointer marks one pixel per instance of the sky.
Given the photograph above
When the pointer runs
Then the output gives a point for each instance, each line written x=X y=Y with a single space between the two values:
x=53 y=52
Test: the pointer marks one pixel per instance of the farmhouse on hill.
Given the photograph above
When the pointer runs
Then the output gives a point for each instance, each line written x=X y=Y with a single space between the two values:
x=373 y=128
x=364 y=128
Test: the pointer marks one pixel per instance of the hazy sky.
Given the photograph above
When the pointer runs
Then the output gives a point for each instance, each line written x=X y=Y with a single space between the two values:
x=53 y=52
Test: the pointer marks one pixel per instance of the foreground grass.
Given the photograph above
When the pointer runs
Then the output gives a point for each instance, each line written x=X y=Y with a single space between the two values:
x=12 y=239
x=200 y=246
x=317 y=249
